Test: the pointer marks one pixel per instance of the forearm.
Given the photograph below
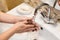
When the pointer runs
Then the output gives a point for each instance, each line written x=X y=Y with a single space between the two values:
x=7 y=34
x=8 y=18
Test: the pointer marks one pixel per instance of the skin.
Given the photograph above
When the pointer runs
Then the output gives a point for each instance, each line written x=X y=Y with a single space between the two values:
x=59 y=2
x=11 y=18
x=20 y=25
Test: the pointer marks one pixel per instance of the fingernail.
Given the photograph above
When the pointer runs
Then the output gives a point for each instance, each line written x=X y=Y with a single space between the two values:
x=33 y=30
x=29 y=21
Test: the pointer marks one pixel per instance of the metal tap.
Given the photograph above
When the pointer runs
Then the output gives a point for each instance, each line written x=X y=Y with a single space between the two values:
x=46 y=18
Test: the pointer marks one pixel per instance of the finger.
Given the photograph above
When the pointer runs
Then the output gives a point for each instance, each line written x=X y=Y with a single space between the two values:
x=27 y=18
x=25 y=22
x=37 y=28
x=30 y=21
x=29 y=26
x=26 y=30
x=30 y=29
x=36 y=25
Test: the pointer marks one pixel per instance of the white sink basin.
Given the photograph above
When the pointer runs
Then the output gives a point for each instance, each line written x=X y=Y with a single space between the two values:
x=44 y=34
x=58 y=27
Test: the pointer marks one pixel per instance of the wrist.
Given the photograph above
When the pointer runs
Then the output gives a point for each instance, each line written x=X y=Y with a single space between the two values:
x=16 y=29
x=7 y=34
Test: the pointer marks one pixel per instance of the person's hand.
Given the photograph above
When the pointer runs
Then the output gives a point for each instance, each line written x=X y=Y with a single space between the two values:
x=59 y=2
x=25 y=26
x=7 y=18
x=22 y=18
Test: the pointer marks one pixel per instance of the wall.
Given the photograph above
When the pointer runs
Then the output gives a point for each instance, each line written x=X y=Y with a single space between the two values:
x=12 y=3
x=50 y=2
x=3 y=6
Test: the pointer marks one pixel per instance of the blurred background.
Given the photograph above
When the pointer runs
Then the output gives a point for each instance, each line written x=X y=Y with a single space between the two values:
x=6 y=5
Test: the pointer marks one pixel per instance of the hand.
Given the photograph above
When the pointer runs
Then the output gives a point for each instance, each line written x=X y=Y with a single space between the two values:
x=7 y=18
x=24 y=27
x=22 y=18
x=59 y=2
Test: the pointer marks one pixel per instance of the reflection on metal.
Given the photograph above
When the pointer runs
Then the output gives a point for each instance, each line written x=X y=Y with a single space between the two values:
x=49 y=14
x=54 y=3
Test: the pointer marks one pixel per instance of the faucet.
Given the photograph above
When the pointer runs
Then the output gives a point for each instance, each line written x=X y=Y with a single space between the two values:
x=45 y=16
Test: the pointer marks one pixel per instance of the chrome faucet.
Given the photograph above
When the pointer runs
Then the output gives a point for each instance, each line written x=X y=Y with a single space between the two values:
x=45 y=16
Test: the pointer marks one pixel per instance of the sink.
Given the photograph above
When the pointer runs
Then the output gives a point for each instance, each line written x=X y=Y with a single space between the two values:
x=43 y=34
x=58 y=27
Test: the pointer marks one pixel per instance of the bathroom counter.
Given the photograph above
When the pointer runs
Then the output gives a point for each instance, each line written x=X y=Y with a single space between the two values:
x=54 y=29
